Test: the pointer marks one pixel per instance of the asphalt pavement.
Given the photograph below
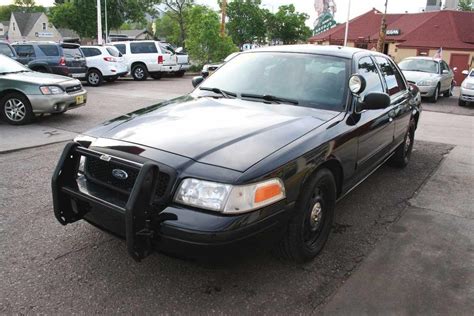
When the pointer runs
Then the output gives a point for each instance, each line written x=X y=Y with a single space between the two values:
x=54 y=269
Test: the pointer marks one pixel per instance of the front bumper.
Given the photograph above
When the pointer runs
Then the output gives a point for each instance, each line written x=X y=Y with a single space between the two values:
x=427 y=91
x=466 y=95
x=147 y=225
x=57 y=103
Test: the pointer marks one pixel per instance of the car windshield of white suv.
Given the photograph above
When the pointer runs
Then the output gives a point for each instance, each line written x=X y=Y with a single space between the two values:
x=8 y=66
x=421 y=65
x=301 y=79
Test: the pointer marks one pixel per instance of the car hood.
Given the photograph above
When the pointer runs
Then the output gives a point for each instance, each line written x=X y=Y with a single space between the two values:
x=416 y=76
x=37 y=78
x=229 y=133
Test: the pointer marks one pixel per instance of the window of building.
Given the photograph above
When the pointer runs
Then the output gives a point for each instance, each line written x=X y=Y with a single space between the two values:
x=14 y=27
x=44 y=27
x=392 y=76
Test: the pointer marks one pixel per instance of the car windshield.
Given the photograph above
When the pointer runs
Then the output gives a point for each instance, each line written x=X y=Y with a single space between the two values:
x=8 y=65
x=6 y=50
x=302 y=79
x=421 y=65
x=72 y=53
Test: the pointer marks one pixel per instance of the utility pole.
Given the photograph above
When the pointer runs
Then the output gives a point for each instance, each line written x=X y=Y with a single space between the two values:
x=106 y=26
x=347 y=23
x=383 y=31
x=99 y=23
x=224 y=13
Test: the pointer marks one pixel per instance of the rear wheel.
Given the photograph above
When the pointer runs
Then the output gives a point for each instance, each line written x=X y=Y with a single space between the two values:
x=435 y=96
x=16 y=109
x=94 y=78
x=309 y=229
x=402 y=155
x=139 y=72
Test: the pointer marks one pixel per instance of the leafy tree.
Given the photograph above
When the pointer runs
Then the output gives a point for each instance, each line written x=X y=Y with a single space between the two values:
x=177 y=10
x=246 y=21
x=6 y=10
x=204 y=42
x=25 y=3
x=288 y=26
x=466 y=5
x=168 y=29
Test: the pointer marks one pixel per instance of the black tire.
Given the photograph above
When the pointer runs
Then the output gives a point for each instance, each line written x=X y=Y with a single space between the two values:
x=16 y=109
x=139 y=72
x=156 y=75
x=180 y=74
x=41 y=69
x=94 y=78
x=401 y=157
x=110 y=79
x=309 y=229
x=461 y=102
x=435 y=96
x=449 y=93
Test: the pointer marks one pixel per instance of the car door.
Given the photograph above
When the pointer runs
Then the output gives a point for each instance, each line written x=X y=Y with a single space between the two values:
x=399 y=96
x=375 y=127
x=445 y=76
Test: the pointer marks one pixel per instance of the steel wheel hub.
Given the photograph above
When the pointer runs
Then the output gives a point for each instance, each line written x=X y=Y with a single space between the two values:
x=93 y=78
x=315 y=218
x=15 y=110
x=139 y=73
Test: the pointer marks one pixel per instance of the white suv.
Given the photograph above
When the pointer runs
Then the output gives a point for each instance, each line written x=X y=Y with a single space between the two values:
x=104 y=63
x=147 y=58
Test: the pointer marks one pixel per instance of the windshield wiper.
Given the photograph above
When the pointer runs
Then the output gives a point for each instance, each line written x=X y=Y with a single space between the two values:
x=271 y=98
x=224 y=93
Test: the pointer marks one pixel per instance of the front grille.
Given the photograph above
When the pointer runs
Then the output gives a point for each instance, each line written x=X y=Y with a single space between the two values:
x=73 y=89
x=100 y=171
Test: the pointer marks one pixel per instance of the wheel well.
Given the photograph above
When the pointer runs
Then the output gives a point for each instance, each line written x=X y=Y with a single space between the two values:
x=417 y=117
x=37 y=68
x=5 y=92
x=93 y=68
x=336 y=169
x=139 y=63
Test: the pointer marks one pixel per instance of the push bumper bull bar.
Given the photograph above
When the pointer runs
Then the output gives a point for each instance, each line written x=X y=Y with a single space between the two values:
x=71 y=204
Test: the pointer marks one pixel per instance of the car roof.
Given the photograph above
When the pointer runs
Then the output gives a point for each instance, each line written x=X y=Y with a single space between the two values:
x=332 y=50
x=423 y=58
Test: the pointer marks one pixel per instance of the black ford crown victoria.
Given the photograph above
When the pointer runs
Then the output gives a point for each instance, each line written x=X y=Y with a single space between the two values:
x=263 y=147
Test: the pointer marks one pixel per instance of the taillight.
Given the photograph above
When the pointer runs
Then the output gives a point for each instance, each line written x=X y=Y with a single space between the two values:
x=62 y=61
x=110 y=59
x=160 y=59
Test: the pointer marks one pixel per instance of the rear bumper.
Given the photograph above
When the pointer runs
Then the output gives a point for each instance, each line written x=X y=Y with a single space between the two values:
x=170 y=228
x=56 y=103
x=184 y=67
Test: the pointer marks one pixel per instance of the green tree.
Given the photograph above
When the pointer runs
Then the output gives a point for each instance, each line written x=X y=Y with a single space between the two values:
x=167 y=28
x=177 y=10
x=19 y=6
x=246 y=21
x=466 y=5
x=288 y=26
x=204 y=42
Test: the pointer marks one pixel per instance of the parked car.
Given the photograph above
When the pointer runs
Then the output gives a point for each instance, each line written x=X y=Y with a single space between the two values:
x=182 y=58
x=146 y=58
x=209 y=69
x=432 y=76
x=262 y=148
x=104 y=63
x=7 y=50
x=467 y=88
x=64 y=59
x=24 y=93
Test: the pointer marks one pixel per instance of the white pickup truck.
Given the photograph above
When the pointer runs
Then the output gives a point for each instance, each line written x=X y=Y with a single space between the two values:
x=182 y=57
x=147 y=58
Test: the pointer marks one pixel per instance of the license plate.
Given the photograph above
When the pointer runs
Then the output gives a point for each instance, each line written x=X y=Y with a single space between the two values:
x=79 y=99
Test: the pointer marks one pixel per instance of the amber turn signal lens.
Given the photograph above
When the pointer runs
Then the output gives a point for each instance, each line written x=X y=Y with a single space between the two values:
x=267 y=192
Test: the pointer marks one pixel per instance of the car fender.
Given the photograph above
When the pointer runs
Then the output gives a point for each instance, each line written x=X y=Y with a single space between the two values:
x=39 y=64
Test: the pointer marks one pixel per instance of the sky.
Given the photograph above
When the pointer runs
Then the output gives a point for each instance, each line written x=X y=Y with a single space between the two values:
x=357 y=7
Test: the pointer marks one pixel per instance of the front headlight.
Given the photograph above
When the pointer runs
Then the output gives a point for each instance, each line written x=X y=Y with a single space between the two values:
x=229 y=199
x=466 y=85
x=427 y=83
x=51 y=90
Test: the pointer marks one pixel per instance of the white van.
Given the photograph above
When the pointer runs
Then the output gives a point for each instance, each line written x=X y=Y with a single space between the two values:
x=146 y=58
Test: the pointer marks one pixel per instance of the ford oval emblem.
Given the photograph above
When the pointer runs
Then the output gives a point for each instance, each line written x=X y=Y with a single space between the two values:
x=120 y=174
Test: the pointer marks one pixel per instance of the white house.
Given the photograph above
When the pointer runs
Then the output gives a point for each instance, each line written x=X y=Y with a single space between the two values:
x=31 y=27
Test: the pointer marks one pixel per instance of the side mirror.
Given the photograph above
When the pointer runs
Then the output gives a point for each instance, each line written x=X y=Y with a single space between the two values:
x=197 y=81
x=357 y=84
x=445 y=72
x=465 y=72
x=375 y=101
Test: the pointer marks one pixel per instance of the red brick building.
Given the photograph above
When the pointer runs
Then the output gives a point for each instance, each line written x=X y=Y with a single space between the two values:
x=417 y=34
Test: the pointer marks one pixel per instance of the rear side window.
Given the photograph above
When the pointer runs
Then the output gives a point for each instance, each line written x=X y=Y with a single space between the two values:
x=121 y=48
x=166 y=49
x=25 y=50
x=91 y=52
x=143 y=48
x=49 y=50
x=392 y=77
x=72 y=52
x=6 y=50
x=113 y=51
x=368 y=70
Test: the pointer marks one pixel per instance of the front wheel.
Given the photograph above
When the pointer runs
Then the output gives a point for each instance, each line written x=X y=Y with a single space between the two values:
x=94 y=78
x=401 y=157
x=309 y=229
x=16 y=109
x=435 y=96
x=461 y=102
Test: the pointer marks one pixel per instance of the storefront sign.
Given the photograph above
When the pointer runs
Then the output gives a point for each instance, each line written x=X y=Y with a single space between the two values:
x=325 y=23
x=44 y=34
x=395 y=32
